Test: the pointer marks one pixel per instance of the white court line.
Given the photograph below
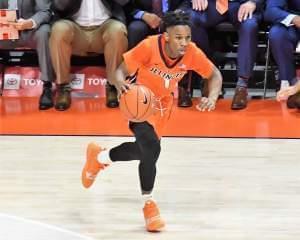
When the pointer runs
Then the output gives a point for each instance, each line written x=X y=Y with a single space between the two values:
x=18 y=228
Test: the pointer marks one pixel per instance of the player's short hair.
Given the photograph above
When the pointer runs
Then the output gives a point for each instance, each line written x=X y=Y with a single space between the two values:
x=177 y=17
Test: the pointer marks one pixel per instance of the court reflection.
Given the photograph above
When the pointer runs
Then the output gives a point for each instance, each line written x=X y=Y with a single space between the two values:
x=27 y=105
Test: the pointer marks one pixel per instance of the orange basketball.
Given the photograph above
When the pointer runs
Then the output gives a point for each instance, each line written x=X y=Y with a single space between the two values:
x=137 y=104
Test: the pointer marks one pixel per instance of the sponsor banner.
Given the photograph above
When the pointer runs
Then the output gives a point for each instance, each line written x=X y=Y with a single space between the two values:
x=88 y=81
x=85 y=82
x=22 y=81
x=26 y=81
x=77 y=81
x=12 y=81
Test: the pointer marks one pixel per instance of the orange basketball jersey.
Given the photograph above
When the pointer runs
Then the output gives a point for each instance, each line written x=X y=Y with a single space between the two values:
x=158 y=72
x=155 y=70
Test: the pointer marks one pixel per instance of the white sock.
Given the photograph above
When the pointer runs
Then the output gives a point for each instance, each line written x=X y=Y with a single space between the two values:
x=104 y=158
x=146 y=197
x=284 y=84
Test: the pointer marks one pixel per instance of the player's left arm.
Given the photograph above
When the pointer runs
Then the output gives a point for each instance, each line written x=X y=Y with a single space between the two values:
x=214 y=87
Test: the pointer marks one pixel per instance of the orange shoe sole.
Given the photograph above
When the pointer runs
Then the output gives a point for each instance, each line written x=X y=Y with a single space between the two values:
x=156 y=226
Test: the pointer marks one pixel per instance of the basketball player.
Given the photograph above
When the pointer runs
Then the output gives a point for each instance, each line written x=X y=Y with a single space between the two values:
x=159 y=62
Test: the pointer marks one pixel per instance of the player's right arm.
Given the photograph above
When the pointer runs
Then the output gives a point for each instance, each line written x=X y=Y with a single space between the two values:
x=120 y=78
x=132 y=61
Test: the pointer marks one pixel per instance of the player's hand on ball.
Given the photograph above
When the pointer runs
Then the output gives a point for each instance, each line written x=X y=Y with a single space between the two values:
x=206 y=104
x=122 y=86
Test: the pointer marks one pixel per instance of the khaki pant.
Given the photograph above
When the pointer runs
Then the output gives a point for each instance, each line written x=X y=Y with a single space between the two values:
x=68 y=38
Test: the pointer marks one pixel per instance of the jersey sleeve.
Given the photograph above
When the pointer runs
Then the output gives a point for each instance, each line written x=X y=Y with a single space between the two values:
x=200 y=62
x=138 y=56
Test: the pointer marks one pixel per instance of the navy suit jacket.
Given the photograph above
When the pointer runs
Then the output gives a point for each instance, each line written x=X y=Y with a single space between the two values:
x=259 y=3
x=146 y=5
x=277 y=10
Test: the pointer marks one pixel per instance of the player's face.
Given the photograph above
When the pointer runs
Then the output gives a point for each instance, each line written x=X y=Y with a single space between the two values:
x=177 y=38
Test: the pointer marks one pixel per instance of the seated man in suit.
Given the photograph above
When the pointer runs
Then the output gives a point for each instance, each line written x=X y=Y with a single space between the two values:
x=87 y=26
x=144 y=19
x=284 y=36
x=33 y=24
x=245 y=15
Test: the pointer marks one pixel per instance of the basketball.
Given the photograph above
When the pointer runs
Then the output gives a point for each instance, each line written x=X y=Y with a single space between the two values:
x=137 y=104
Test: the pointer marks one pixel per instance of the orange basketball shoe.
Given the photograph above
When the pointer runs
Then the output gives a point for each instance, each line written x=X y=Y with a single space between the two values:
x=92 y=166
x=154 y=222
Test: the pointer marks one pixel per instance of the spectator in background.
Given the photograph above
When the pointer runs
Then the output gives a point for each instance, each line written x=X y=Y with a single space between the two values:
x=33 y=24
x=245 y=15
x=87 y=26
x=144 y=18
x=284 y=36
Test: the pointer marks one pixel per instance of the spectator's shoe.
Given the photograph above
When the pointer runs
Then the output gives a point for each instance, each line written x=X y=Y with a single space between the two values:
x=184 y=98
x=154 y=222
x=111 y=96
x=239 y=100
x=63 y=98
x=222 y=94
x=293 y=101
x=46 y=99
x=1 y=76
x=92 y=166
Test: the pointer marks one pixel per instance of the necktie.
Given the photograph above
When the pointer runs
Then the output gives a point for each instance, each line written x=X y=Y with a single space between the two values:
x=157 y=7
x=222 y=6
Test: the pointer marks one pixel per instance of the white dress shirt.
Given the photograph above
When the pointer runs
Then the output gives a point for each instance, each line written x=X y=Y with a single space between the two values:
x=288 y=20
x=13 y=4
x=91 y=13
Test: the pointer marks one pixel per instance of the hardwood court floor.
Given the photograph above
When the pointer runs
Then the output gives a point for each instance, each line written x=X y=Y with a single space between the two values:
x=207 y=188
x=262 y=119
